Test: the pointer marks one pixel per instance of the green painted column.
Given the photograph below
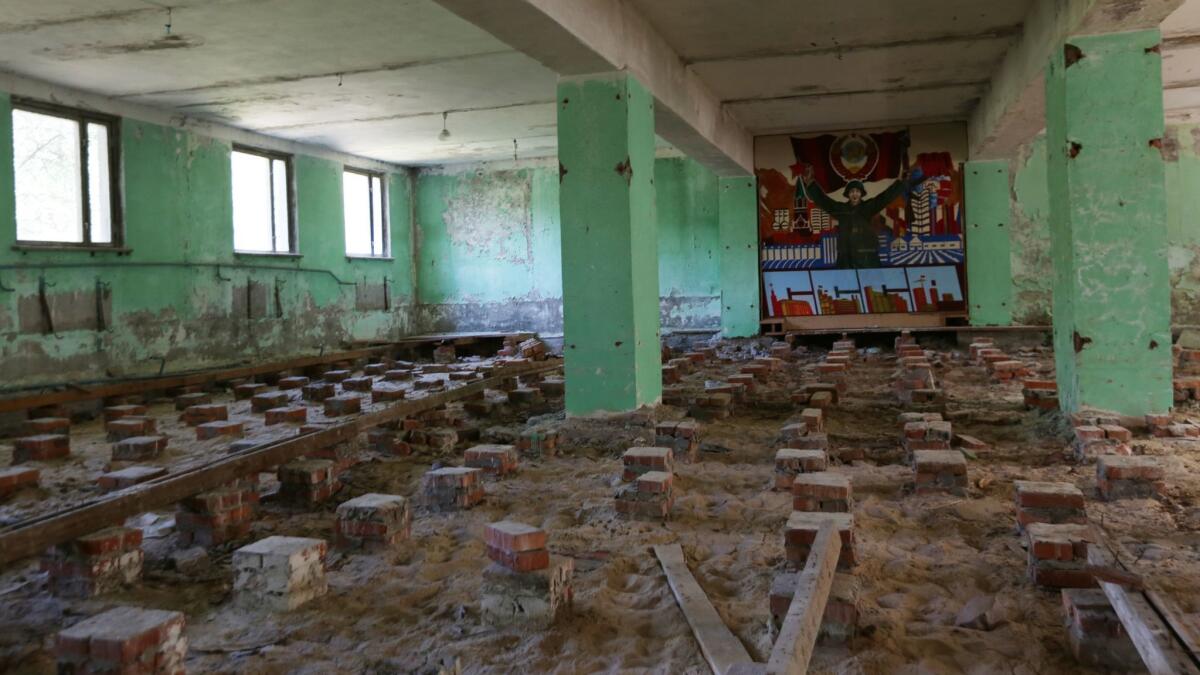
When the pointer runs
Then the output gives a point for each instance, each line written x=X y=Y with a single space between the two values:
x=738 y=216
x=1108 y=224
x=609 y=243
x=989 y=266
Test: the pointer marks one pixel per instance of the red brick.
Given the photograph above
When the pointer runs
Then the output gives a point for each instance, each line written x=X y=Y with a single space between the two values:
x=212 y=430
x=47 y=425
x=1045 y=495
x=296 y=414
x=16 y=478
x=199 y=414
x=138 y=448
x=40 y=448
x=128 y=427
x=512 y=536
x=345 y=404
x=318 y=391
x=294 y=382
x=116 y=412
x=520 y=561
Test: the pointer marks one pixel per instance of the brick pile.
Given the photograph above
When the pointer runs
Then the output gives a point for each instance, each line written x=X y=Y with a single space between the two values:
x=95 y=564
x=781 y=351
x=1163 y=426
x=372 y=522
x=128 y=477
x=823 y=491
x=196 y=415
x=532 y=349
x=308 y=481
x=40 y=448
x=1119 y=477
x=343 y=404
x=818 y=394
x=1095 y=633
x=839 y=623
x=927 y=435
x=264 y=401
x=940 y=471
x=211 y=430
x=1040 y=394
x=293 y=382
x=790 y=462
x=1095 y=440
x=538 y=441
x=711 y=406
x=913 y=381
x=124 y=640
x=682 y=436
x=129 y=426
x=1054 y=503
x=217 y=516
x=496 y=460
x=16 y=478
x=46 y=425
x=524 y=583
x=652 y=494
x=248 y=390
x=452 y=488
x=116 y=412
x=279 y=573
x=292 y=414
x=1058 y=555
x=801 y=531
x=318 y=391
x=553 y=386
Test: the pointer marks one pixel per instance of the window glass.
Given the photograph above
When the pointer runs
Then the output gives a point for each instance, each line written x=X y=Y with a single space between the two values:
x=252 y=192
x=99 y=185
x=48 y=177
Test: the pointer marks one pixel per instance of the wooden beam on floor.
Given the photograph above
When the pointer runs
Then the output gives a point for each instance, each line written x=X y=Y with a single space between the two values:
x=798 y=636
x=76 y=393
x=720 y=646
x=34 y=535
x=1161 y=651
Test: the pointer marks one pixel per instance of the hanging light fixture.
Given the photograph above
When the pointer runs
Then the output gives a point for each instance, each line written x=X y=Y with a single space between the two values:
x=445 y=135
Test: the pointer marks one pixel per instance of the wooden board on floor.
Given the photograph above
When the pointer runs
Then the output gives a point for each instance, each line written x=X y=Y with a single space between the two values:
x=1161 y=652
x=720 y=646
x=798 y=636
x=34 y=535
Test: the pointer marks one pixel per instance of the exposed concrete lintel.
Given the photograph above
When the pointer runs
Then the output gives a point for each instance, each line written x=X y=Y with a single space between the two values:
x=1014 y=108
x=578 y=37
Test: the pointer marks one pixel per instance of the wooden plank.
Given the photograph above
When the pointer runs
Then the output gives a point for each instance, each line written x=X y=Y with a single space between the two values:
x=1159 y=650
x=798 y=636
x=136 y=386
x=34 y=535
x=720 y=646
x=1166 y=608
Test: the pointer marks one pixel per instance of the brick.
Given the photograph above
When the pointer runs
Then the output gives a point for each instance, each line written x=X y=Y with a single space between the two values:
x=534 y=599
x=17 y=478
x=116 y=412
x=279 y=573
x=41 y=447
x=267 y=400
x=373 y=521
x=46 y=425
x=1116 y=432
x=1088 y=432
x=293 y=414
x=1048 y=495
x=137 y=448
x=655 y=482
x=940 y=471
x=212 y=430
x=127 y=427
x=345 y=404
x=123 y=478
x=451 y=488
x=382 y=393
x=185 y=401
x=337 y=375
x=199 y=414
x=294 y=382
x=124 y=640
x=248 y=390
x=801 y=531
x=512 y=536
x=970 y=442
x=525 y=395
x=813 y=418
x=792 y=461
x=822 y=491
x=95 y=564
x=1095 y=633
x=498 y=460
x=358 y=384
x=318 y=391
x=639 y=460
x=1121 y=477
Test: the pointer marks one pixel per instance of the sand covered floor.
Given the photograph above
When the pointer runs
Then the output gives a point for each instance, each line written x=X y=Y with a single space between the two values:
x=922 y=557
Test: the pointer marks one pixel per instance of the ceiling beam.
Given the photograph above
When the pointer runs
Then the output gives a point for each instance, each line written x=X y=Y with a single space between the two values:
x=1014 y=108
x=578 y=37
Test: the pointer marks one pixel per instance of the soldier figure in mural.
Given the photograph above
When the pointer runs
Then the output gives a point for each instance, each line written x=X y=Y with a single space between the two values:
x=857 y=241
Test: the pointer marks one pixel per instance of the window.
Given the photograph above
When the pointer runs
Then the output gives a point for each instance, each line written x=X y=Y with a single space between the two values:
x=262 y=198
x=366 y=226
x=64 y=162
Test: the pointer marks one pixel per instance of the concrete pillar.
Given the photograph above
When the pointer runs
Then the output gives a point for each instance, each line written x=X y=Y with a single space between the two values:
x=989 y=268
x=738 y=216
x=609 y=243
x=1108 y=224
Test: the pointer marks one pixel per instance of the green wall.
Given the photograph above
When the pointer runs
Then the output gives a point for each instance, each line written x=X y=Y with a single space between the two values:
x=489 y=247
x=1030 y=232
x=169 y=299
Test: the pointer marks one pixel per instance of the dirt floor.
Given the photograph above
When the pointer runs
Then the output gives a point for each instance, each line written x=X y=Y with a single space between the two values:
x=922 y=557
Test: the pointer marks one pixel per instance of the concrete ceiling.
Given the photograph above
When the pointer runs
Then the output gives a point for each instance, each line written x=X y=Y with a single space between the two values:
x=785 y=65
x=367 y=77
x=373 y=77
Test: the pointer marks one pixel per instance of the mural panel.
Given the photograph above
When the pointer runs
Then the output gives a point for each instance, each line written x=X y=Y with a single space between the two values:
x=862 y=222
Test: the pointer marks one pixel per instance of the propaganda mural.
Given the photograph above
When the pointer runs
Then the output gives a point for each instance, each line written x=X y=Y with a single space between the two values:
x=862 y=222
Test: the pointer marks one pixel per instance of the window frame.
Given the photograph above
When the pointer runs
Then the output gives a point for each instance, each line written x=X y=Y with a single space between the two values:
x=289 y=181
x=82 y=118
x=385 y=225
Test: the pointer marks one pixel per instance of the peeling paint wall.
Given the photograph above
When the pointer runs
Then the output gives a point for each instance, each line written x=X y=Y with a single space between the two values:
x=166 y=303
x=1030 y=231
x=489 y=251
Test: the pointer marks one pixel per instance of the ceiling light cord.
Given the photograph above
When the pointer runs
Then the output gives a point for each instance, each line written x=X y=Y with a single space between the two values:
x=445 y=135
